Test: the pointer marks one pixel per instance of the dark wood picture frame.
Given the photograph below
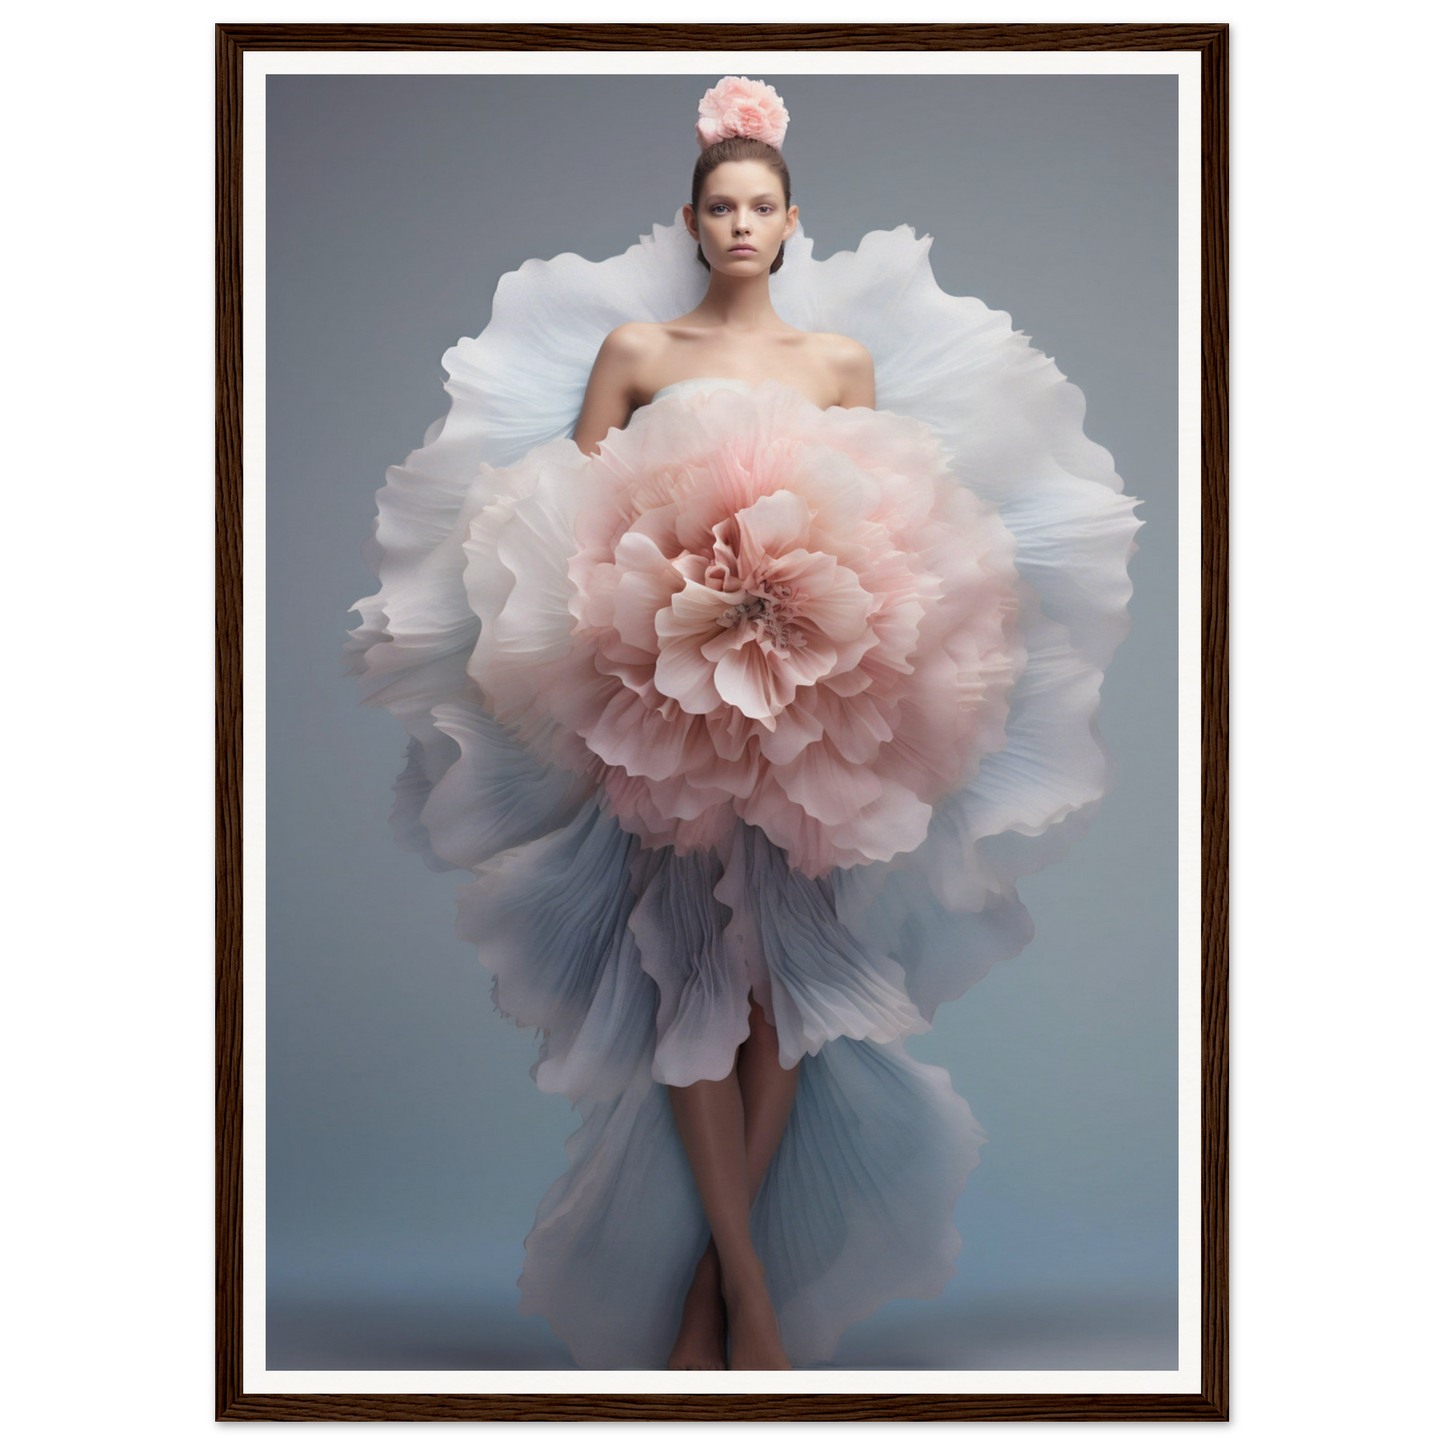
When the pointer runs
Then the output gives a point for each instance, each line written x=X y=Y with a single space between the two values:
x=1211 y=1403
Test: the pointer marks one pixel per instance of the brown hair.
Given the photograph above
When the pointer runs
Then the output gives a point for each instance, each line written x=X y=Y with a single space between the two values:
x=741 y=148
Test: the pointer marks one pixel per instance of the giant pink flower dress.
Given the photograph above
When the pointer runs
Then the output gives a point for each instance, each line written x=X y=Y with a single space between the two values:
x=762 y=698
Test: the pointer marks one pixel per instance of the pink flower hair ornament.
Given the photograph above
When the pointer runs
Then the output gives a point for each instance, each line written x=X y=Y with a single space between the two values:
x=739 y=106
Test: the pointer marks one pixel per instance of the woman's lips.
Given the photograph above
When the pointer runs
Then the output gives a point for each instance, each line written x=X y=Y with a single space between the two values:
x=743 y=250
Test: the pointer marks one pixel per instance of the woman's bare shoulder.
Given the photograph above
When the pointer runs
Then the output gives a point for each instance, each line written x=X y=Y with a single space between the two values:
x=632 y=341
x=614 y=386
x=851 y=365
x=841 y=350
x=627 y=357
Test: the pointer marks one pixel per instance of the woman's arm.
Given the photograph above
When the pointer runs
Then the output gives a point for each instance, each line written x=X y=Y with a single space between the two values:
x=611 y=388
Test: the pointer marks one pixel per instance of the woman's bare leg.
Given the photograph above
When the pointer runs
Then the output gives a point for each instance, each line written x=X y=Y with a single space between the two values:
x=768 y=1090
x=709 y=1117
x=765 y=1091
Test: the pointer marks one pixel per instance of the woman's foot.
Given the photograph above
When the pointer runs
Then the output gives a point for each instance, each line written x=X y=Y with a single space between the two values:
x=753 y=1339
x=701 y=1342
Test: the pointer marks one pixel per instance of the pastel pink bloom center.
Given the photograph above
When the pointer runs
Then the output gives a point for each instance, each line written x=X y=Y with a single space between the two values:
x=758 y=614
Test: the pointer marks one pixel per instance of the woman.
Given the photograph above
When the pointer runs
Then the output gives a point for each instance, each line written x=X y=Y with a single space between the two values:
x=740 y=215
x=746 y=704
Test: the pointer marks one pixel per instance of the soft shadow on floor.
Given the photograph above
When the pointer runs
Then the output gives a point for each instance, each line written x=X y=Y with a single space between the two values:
x=376 y=1332
x=1080 y=1328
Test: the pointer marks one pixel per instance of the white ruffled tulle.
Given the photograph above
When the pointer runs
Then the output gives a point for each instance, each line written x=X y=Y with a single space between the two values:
x=636 y=963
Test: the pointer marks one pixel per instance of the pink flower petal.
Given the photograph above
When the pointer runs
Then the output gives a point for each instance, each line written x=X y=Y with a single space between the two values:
x=685 y=674
x=772 y=526
x=744 y=679
x=825 y=785
x=638 y=598
x=694 y=611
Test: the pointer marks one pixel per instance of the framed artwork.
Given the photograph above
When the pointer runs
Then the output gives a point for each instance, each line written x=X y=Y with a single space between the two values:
x=749 y=521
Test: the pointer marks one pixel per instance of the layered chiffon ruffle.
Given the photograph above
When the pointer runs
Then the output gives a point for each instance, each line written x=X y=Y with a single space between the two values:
x=635 y=958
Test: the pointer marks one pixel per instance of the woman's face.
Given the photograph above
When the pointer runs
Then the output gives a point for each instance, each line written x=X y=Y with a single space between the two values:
x=740 y=219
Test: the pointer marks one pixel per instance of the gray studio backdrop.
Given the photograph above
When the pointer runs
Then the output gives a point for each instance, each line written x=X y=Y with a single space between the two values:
x=407 y=1145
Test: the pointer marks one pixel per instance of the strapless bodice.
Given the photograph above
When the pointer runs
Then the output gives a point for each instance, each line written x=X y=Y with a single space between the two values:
x=701 y=383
